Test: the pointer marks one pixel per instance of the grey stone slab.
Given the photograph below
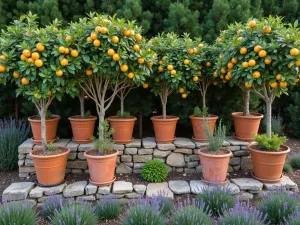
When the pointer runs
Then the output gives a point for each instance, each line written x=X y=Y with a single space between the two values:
x=145 y=151
x=126 y=158
x=104 y=190
x=21 y=162
x=72 y=156
x=161 y=154
x=130 y=151
x=130 y=164
x=154 y=189
x=23 y=175
x=91 y=189
x=138 y=165
x=139 y=188
x=241 y=153
x=194 y=157
x=81 y=156
x=76 y=171
x=118 y=147
x=132 y=195
x=29 y=162
x=246 y=164
x=245 y=196
x=26 y=169
x=166 y=147
x=233 y=188
x=77 y=164
x=235 y=161
x=86 y=198
x=84 y=147
x=122 y=187
x=136 y=143
x=73 y=146
x=285 y=182
x=21 y=156
x=233 y=141
x=234 y=148
x=28 y=202
x=26 y=147
x=17 y=191
x=186 y=151
x=197 y=186
x=123 y=168
x=141 y=158
x=200 y=144
x=75 y=189
x=149 y=142
x=189 y=170
x=246 y=184
x=184 y=143
x=62 y=142
x=176 y=160
x=39 y=192
x=192 y=164
x=179 y=187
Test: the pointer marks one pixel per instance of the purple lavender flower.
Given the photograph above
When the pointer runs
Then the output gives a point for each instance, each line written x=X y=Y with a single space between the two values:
x=293 y=219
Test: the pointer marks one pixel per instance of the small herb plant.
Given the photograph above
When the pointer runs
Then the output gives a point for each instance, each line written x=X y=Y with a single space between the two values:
x=51 y=147
x=270 y=144
x=295 y=162
x=154 y=171
x=200 y=113
x=123 y=115
x=87 y=114
x=215 y=141
x=105 y=142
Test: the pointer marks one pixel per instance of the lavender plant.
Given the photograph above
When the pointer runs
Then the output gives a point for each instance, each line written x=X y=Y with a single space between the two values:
x=242 y=213
x=295 y=161
x=52 y=205
x=293 y=219
x=165 y=204
x=16 y=213
x=108 y=208
x=278 y=205
x=216 y=200
x=12 y=134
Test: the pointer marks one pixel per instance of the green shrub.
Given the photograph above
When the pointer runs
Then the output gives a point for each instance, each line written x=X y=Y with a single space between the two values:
x=278 y=205
x=108 y=208
x=17 y=214
x=200 y=113
x=75 y=214
x=216 y=200
x=215 y=141
x=12 y=134
x=295 y=162
x=294 y=112
x=190 y=215
x=125 y=114
x=288 y=168
x=270 y=144
x=154 y=171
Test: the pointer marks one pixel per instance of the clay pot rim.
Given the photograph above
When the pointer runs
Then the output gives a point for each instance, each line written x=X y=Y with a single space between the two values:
x=214 y=156
x=100 y=156
x=78 y=118
x=210 y=117
x=49 y=156
x=253 y=116
x=30 y=119
x=160 y=118
x=269 y=152
x=119 y=119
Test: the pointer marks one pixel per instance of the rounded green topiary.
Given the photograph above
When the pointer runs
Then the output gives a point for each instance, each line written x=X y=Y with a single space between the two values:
x=154 y=171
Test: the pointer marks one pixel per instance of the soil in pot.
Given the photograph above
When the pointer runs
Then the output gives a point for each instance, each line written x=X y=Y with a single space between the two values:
x=214 y=165
x=246 y=127
x=50 y=166
x=268 y=165
x=51 y=128
x=164 y=129
x=198 y=126
x=83 y=128
x=123 y=129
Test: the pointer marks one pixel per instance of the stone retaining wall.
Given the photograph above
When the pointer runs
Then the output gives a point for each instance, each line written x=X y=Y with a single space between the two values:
x=180 y=156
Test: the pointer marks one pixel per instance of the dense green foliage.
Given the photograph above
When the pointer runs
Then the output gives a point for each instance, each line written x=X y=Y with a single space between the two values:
x=295 y=161
x=154 y=171
x=215 y=140
x=270 y=144
x=200 y=113
x=287 y=168
x=17 y=213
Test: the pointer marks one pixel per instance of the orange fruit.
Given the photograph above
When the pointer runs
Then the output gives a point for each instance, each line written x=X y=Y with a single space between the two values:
x=16 y=75
x=68 y=38
x=170 y=67
x=268 y=61
x=40 y=47
x=49 y=92
x=59 y=73
x=208 y=64
x=88 y=72
x=252 y=24
x=115 y=39
x=126 y=32
x=298 y=63
x=243 y=50
x=96 y=43
x=110 y=52
x=234 y=60
x=267 y=29
x=173 y=72
x=131 y=75
x=164 y=58
x=278 y=76
x=200 y=45
x=94 y=36
x=64 y=62
x=124 y=68
x=252 y=62
x=132 y=32
x=74 y=53
x=296 y=79
x=103 y=30
x=257 y=48
x=160 y=62
x=145 y=85
x=230 y=65
x=195 y=50
x=294 y=52
x=223 y=70
x=228 y=76
x=136 y=47
x=245 y=64
x=240 y=38
x=239 y=32
x=247 y=85
x=256 y=75
x=289 y=65
x=116 y=57
x=89 y=39
x=186 y=62
x=190 y=51
x=23 y=57
x=273 y=84
x=215 y=83
x=215 y=74
x=30 y=60
x=35 y=55
x=195 y=78
x=184 y=95
x=38 y=63
x=262 y=53
x=181 y=90
x=36 y=95
x=141 y=60
x=2 y=68
x=61 y=50
x=98 y=29
x=160 y=69
x=24 y=81
x=283 y=84
x=138 y=37
x=3 y=57
x=67 y=51
x=150 y=64
x=27 y=53
x=222 y=76
x=219 y=40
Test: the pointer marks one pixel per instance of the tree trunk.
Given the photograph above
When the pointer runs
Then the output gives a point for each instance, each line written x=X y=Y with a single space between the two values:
x=164 y=110
x=269 y=118
x=42 y=113
x=101 y=115
x=204 y=99
x=122 y=104
x=246 y=102
x=82 y=111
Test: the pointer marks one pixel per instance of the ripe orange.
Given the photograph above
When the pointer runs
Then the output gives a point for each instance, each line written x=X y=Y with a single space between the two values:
x=184 y=95
x=298 y=63
x=252 y=24
x=186 y=62
x=200 y=45
x=131 y=75
x=36 y=95
x=115 y=39
x=150 y=64
x=61 y=50
x=173 y=72
x=195 y=50
x=35 y=55
x=294 y=52
x=132 y=32
x=40 y=47
x=25 y=81
x=170 y=67
x=16 y=75
x=49 y=92
x=136 y=47
x=223 y=70
x=103 y=30
x=96 y=43
x=252 y=62
x=215 y=74
x=98 y=29
x=256 y=74
x=30 y=60
x=262 y=53
x=27 y=53
x=145 y=85
x=243 y=50
x=23 y=57
x=273 y=84
x=195 y=78
x=89 y=39
x=208 y=64
x=257 y=48
x=124 y=68
x=126 y=32
x=110 y=52
x=230 y=65
x=268 y=61
x=138 y=37
x=88 y=72
x=68 y=38
x=3 y=57
x=245 y=64
x=283 y=84
x=240 y=38
x=239 y=32
x=296 y=79
x=181 y=90
x=228 y=76
x=2 y=68
x=67 y=51
x=267 y=29
x=74 y=53
x=38 y=63
x=59 y=73
x=247 y=85
x=160 y=69
x=141 y=60
x=219 y=40
x=64 y=62
x=234 y=60
x=190 y=51
x=94 y=36
x=116 y=57
x=160 y=62
x=278 y=76
x=215 y=83
x=289 y=66
x=222 y=77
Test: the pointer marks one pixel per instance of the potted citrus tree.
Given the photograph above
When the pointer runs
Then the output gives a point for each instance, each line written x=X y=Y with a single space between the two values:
x=108 y=58
x=32 y=63
x=274 y=48
x=176 y=70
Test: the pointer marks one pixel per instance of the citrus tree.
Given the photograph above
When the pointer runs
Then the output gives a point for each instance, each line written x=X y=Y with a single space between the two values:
x=31 y=59
x=113 y=56
x=179 y=59
x=262 y=56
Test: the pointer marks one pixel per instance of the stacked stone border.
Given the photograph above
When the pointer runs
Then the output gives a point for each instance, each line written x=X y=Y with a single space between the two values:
x=124 y=191
x=179 y=156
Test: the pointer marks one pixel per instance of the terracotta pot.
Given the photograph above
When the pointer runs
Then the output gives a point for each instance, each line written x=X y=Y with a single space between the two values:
x=51 y=127
x=246 y=127
x=198 y=126
x=50 y=170
x=214 y=167
x=164 y=129
x=82 y=128
x=123 y=129
x=102 y=168
x=268 y=166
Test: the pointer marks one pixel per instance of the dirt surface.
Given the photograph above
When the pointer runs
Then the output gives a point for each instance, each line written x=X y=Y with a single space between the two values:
x=96 y=152
x=57 y=151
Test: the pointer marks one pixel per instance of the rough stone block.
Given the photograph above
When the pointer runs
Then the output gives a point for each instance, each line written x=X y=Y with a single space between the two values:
x=81 y=156
x=285 y=182
x=26 y=147
x=123 y=168
x=176 y=160
x=166 y=147
x=118 y=147
x=122 y=187
x=241 y=153
x=194 y=157
x=84 y=147
x=192 y=164
x=234 y=141
x=91 y=189
x=139 y=188
x=235 y=161
x=21 y=162
x=246 y=164
x=17 y=191
x=136 y=143
x=149 y=142
x=184 y=143
x=75 y=189
x=141 y=158
x=246 y=184
x=179 y=187
x=145 y=151
x=72 y=156
x=126 y=158
x=73 y=146
x=130 y=151
x=154 y=189
x=189 y=170
x=186 y=151
x=26 y=169
x=29 y=162
x=161 y=154
x=104 y=190
x=62 y=142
